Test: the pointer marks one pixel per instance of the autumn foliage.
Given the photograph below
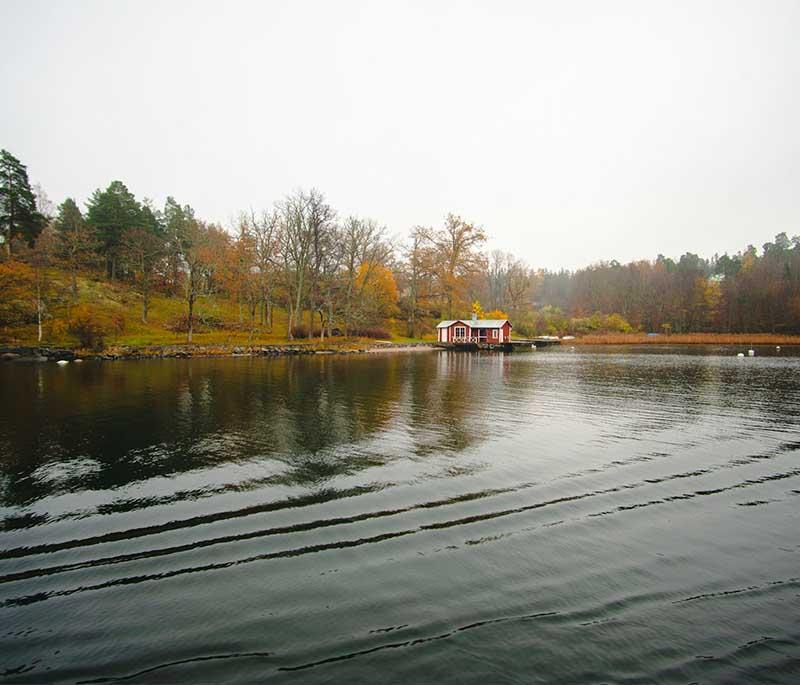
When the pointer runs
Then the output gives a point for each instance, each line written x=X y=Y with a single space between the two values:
x=17 y=285
x=92 y=325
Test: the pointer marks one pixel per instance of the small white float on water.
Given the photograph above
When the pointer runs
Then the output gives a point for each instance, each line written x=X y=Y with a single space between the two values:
x=751 y=353
x=778 y=348
x=740 y=355
x=61 y=362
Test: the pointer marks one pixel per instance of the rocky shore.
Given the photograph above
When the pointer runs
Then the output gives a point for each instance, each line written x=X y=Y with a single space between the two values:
x=48 y=354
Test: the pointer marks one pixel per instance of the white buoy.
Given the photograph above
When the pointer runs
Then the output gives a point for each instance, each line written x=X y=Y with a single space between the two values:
x=78 y=360
x=778 y=347
x=61 y=362
x=751 y=353
x=740 y=355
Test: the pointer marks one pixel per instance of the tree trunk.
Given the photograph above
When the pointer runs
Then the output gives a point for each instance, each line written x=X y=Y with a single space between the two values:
x=298 y=310
x=145 y=304
x=413 y=318
x=191 y=318
x=253 y=308
x=145 y=291
x=39 y=308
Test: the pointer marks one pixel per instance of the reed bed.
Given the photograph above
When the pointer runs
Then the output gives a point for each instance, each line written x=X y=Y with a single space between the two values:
x=688 y=339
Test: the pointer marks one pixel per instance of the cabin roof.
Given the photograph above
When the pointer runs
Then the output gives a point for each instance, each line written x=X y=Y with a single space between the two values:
x=480 y=323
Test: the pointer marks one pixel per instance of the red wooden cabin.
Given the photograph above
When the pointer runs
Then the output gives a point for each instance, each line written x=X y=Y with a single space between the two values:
x=481 y=331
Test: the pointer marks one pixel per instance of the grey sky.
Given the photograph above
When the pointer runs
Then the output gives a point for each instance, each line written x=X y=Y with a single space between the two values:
x=572 y=131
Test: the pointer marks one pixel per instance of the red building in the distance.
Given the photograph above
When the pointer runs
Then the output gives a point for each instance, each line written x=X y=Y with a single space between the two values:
x=487 y=331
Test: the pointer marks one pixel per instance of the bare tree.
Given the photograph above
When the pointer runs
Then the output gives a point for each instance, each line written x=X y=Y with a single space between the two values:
x=241 y=271
x=303 y=216
x=329 y=280
x=143 y=249
x=201 y=248
x=41 y=257
x=499 y=262
x=364 y=247
x=419 y=272
x=265 y=232
x=519 y=284
x=322 y=222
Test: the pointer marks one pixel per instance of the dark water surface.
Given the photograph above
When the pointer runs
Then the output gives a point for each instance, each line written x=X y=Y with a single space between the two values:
x=559 y=516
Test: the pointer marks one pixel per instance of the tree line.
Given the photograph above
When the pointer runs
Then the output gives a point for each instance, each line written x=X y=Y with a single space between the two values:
x=339 y=275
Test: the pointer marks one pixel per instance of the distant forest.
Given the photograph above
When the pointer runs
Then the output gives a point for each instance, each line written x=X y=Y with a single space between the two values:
x=331 y=275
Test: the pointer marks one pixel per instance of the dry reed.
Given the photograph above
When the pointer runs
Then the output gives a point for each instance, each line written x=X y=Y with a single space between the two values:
x=688 y=339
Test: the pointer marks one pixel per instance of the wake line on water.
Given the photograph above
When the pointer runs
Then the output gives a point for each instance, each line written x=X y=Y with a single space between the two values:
x=325 y=523
x=344 y=544
x=19 y=552
x=181 y=662
x=327 y=496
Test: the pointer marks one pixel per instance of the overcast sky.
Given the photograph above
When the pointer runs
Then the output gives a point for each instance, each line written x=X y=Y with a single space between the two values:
x=572 y=131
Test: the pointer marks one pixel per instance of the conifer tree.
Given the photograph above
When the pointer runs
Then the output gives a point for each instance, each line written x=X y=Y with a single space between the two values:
x=76 y=241
x=112 y=212
x=18 y=215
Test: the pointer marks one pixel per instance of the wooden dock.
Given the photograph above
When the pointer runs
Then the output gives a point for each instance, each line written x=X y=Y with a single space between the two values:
x=507 y=346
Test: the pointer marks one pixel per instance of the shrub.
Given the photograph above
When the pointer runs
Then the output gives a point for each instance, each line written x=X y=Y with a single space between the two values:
x=374 y=332
x=92 y=325
x=209 y=321
x=179 y=324
x=301 y=331
x=202 y=323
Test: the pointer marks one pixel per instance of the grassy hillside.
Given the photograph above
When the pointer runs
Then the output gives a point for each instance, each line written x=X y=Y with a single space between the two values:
x=120 y=300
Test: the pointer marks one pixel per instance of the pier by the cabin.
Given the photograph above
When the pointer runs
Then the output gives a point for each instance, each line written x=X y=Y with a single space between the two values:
x=473 y=344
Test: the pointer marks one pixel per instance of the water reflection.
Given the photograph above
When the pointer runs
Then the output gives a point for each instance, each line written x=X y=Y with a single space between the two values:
x=101 y=426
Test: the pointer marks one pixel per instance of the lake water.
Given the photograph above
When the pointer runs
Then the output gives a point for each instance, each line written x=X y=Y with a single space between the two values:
x=601 y=515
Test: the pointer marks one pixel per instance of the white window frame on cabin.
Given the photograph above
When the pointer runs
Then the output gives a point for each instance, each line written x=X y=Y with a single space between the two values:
x=461 y=335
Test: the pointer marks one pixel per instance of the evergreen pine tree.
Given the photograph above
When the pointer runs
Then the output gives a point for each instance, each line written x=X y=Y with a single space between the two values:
x=76 y=241
x=112 y=212
x=18 y=215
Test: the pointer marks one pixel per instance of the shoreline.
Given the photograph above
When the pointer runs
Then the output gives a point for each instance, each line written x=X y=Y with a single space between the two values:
x=190 y=351
x=201 y=351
